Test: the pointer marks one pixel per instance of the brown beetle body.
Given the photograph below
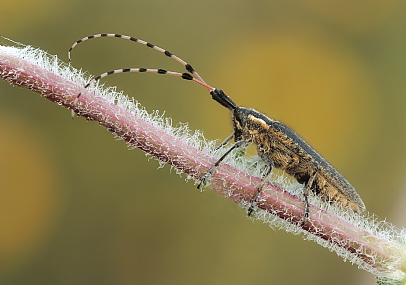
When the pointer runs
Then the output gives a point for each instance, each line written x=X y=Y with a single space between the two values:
x=288 y=152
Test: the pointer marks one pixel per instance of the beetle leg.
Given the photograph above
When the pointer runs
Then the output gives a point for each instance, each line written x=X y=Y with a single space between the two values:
x=213 y=168
x=306 y=191
x=261 y=185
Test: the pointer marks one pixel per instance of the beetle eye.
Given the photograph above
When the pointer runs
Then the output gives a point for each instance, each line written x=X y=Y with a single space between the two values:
x=238 y=118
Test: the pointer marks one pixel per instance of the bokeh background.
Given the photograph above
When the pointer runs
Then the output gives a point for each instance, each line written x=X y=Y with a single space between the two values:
x=77 y=207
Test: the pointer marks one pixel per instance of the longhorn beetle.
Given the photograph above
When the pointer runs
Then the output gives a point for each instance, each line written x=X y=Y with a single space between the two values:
x=276 y=144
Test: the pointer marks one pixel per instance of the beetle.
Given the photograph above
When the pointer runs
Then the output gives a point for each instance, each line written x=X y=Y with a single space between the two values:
x=276 y=144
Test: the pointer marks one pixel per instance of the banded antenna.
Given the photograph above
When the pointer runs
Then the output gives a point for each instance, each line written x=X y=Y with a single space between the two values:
x=217 y=95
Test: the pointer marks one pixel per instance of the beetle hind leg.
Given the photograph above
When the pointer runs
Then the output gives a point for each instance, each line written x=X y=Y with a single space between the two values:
x=306 y=191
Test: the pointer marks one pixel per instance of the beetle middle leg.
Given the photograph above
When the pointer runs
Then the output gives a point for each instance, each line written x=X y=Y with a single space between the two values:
x=269 y=166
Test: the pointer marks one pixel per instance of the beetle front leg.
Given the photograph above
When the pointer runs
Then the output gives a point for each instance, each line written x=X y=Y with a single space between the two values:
x=213 y=168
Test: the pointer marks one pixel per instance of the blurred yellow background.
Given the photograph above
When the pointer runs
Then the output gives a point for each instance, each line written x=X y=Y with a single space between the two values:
x=77 y=207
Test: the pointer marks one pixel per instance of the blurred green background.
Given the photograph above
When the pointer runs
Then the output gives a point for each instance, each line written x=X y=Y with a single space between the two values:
x=77 y=207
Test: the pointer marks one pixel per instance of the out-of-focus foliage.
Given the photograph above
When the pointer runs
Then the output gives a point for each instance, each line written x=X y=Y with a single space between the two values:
x=77 y=207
